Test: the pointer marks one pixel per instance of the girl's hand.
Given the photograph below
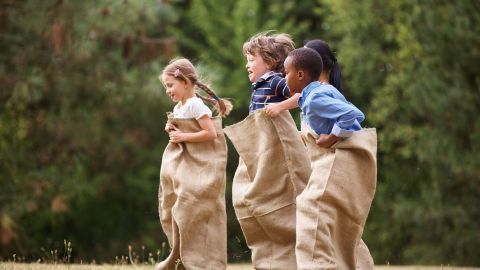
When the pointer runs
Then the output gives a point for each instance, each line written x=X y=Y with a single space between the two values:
x=169 y=127
x=273 y=110
x=326 y=140
x=176 y=136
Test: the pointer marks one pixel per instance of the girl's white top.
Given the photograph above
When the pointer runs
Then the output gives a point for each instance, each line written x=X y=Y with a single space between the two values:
x=193 y=108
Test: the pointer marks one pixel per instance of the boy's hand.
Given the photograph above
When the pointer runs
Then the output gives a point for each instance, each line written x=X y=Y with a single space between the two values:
x=176 y=135
x=273 y=110
x=326 y=140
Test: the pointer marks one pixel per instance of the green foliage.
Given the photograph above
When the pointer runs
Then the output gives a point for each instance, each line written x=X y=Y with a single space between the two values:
x=414 y=67
x=81 y=125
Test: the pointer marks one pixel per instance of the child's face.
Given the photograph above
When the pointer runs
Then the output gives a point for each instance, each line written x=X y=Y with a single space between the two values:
x=294 y=78
x=177 y=90
x=256 y=67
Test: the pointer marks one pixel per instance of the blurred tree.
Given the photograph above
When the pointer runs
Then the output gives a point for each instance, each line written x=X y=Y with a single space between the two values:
x=413 y=66
x=81 y=125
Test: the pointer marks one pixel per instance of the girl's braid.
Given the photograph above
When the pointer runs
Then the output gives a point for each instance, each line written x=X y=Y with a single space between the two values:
x=223 y=106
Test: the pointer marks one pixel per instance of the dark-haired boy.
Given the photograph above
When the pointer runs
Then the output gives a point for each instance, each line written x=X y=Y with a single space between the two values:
x=332 y=209
x=324 y=108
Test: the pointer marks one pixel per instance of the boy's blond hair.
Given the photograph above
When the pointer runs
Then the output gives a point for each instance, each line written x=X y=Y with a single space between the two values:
x=273 y=48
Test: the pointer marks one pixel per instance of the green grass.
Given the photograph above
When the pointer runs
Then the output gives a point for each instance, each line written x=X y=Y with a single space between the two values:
x=36 y=266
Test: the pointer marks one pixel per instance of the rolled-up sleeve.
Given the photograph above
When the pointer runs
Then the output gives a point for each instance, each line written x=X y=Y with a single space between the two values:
x=343 y=114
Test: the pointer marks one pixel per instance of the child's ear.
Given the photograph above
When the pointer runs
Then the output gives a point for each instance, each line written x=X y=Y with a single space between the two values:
x=300 y=75
x=188 y=83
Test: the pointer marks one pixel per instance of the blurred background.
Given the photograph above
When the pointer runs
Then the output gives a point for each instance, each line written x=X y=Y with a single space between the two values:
x=82 y=115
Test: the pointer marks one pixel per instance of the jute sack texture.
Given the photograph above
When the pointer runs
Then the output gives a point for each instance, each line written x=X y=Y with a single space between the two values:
x=333 y=208
x=192 y=200
x=273 y=169
x=364 y=258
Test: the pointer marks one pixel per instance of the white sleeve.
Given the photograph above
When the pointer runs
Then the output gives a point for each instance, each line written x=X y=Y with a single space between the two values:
x=199 y=109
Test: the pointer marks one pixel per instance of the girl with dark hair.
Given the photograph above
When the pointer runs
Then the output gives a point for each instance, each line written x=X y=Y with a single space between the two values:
x=332 y=73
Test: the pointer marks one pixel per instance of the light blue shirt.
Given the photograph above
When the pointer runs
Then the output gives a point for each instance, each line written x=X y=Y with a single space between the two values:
x=326 y=111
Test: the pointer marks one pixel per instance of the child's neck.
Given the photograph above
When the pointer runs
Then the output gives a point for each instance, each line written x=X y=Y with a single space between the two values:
x=264 y=74
x=307 y=83
x=324 y=77
x=184 y=99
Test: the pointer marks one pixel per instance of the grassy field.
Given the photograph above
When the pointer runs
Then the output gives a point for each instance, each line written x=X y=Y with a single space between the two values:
x=19 y=266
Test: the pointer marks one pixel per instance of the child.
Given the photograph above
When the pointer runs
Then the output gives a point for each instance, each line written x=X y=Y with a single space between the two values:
x=331 y=74
x=179 y=86
x=265 y=55
x=333 y=208
x=273 y=167
x=192 y=176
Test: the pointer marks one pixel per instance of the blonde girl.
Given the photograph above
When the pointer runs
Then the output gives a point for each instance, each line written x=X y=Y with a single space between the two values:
x=193 y=174
x=179 y=79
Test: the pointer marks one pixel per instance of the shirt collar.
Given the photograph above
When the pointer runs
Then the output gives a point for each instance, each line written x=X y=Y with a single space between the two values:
x=306 y=91
x=186 y=101
x=309 y=88
x=265 y=77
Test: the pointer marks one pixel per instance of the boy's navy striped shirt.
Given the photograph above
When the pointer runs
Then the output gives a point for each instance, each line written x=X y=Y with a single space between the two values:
x=270 y=88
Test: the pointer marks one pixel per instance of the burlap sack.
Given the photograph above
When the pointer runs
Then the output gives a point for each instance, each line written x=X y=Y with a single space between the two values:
x=364 y=258
x=192 y=200
x=333 y=208
x=273 y=169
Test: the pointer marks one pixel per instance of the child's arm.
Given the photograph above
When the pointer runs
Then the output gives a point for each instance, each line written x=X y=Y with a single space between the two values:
x=344 y=114
x=275 y=109
x=281 y=89
x=207 y=133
